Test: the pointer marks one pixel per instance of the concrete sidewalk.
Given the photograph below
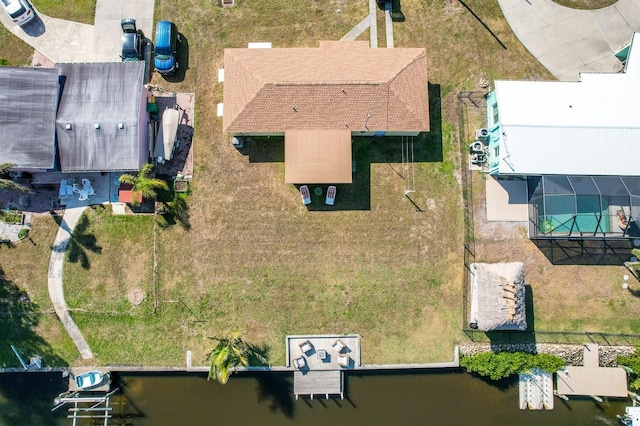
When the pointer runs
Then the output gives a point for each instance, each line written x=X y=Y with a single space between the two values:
x=569 y=41
x=68 y=41
x=56 y=293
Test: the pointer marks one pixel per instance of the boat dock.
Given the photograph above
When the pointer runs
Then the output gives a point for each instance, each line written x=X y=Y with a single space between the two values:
x=591 y=379
x=536 y=390
x=324 y=383
x=93 y=404
x=73 y=386
x=319 y=363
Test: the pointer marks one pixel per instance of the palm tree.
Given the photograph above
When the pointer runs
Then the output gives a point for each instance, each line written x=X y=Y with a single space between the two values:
x=143 y=184
x=227 y=354
x=231 y=352
x=8 y=183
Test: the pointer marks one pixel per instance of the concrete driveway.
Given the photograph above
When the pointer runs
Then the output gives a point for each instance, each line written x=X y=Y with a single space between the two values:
x=569 y=41
x=68 y=41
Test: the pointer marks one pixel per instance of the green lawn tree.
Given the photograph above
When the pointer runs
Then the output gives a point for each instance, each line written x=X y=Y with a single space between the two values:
x=143 y=184
x=504 y=364
x=632 y=363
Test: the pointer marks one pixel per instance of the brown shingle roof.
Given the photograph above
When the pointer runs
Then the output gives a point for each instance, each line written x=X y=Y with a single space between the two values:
x=332 y=87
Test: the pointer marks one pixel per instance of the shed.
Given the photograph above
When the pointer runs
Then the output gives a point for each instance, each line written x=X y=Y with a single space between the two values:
x=498 y=296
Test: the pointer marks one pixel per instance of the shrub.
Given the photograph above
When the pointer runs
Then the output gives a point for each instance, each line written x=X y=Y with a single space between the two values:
x=23 y=233
x=632 y=362
x=505 y=364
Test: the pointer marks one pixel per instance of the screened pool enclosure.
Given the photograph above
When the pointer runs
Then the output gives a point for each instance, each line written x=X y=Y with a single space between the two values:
x=584 y=206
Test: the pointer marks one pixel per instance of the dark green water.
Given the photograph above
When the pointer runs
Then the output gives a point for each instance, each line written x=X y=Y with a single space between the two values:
x=430 y=398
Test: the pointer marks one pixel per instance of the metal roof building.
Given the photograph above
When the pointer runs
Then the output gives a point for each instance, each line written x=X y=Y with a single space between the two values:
x=102 y=119
x=28 y=101
x=590 y=127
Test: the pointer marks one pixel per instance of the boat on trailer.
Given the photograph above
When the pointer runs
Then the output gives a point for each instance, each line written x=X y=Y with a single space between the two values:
x=167 y=135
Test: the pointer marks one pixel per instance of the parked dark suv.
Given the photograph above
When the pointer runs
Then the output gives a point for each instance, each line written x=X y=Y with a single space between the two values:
x=133 y=41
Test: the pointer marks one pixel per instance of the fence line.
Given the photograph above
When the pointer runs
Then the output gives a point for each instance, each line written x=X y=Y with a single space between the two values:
x=475 y=100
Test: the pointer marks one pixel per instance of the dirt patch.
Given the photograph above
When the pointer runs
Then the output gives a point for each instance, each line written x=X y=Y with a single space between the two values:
x=136 y=296
x=585 y=4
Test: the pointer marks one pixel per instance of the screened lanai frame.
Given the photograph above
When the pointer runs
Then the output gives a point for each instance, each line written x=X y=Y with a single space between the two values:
x=584 y=206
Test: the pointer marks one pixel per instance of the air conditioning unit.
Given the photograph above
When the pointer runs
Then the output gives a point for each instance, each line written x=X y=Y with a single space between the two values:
x=482 y=134
x=476 y=147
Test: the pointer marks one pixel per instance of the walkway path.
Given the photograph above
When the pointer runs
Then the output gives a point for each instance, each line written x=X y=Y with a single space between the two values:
x=56 y=293
x=569 y=41
x=370 y=21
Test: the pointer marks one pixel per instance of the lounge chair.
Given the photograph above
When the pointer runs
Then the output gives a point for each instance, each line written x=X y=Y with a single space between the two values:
x=331 y=196
x=304 y=193
x=339 y=345
x=299 y=363
x=306 y=346
x=344 y=360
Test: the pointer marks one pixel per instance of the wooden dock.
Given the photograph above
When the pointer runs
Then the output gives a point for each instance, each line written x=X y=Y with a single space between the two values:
x=325 y=383
x=591 y=379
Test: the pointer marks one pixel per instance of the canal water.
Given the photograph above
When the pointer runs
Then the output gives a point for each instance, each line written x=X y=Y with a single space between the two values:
x=442 y=397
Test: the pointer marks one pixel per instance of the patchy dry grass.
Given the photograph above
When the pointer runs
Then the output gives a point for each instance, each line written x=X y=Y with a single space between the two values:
x=15 y=52
x=255 y=258
x=82 y=11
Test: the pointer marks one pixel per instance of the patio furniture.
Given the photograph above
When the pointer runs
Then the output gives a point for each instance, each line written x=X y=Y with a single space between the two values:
x=306 y=346
x=622 y=219
x=322 y=354
x=339 y=345
x=299 y=363
x=344 y=360
x=331 y=196
x=63 y=189
x=304 y=193
x=86 y=186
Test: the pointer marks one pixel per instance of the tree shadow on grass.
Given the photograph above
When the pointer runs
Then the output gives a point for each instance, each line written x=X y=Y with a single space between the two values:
x=19 y=317
x=81 y=241
x=175 y=212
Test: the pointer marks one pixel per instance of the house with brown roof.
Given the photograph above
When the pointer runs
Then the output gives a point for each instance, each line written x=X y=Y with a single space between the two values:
x=318 y=98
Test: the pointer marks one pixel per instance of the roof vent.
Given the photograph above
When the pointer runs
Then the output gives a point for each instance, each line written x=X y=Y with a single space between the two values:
x=97 y=126
x=120 y=126
x=69 y=126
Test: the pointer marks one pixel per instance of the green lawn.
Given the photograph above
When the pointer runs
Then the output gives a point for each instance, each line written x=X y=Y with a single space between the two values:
x=254 y=258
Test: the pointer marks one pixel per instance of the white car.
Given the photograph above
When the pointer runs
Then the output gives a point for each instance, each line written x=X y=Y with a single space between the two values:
x=20 y=11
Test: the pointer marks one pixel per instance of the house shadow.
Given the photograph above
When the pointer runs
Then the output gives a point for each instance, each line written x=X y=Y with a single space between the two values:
x=264 y=149
x=365 y=150
x=183 y=61
x=585 y=251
